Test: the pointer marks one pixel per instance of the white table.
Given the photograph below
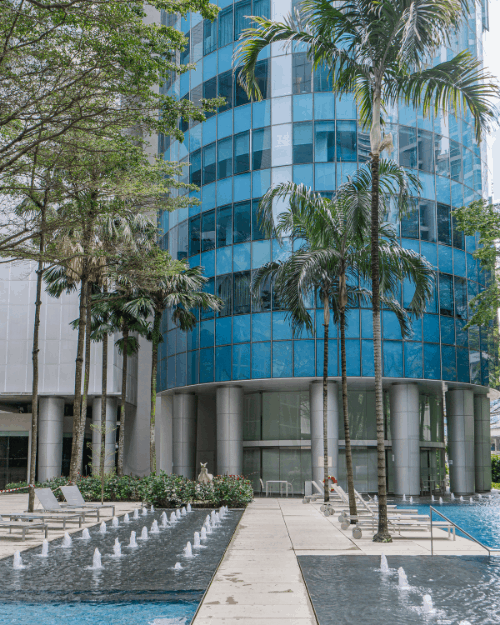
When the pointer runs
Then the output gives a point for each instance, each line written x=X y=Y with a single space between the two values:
x=281 y=483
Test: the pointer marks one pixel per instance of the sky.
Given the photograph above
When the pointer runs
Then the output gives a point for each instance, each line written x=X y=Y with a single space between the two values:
x=492 y=62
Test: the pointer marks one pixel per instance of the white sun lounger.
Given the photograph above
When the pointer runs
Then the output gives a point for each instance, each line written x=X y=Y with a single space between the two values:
x=23 y=526
x=75 y=499
x=50 y=504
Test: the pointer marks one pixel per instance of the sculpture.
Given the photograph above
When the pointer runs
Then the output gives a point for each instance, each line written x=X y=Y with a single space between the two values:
x=204 y=477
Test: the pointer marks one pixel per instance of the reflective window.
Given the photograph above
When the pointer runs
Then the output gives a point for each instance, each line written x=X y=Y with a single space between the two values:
x=257 y=230
x=224 y=290
x=346 y=141
x=425 y=151
x=427 y=221
x=173 y=242
x=208 y=231
x=325 y=142
x=197 y=42
x=409 y=225
x=241 y=152
x=242 y=221
x=442 y=155
x=226 y=90
x=458 y=235
x=184 y=58
x=262 y=8
x=184 y=123
x=209 y=36
x=209 y=164
x=301 y=73
x=262 y=76
x=225 y=158
x=242 y=295
x=242 y=10
x=446 y=294
x=261 y=148
x=182 y=250
x=364 y=147
x=262 y=302
x=210 y=91
x=196 y=168
x=322 y=79
x=303 y=143
x=461 y=297
x=224 y=225
x=444 y=224
x=225 y=26
x=455 y=161
x=194 y=236
x=240 y=95
x=208 y=287
x=407 y=147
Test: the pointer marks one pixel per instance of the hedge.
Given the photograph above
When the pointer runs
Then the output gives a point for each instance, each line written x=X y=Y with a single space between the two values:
x=161 y=489
x=495 y=468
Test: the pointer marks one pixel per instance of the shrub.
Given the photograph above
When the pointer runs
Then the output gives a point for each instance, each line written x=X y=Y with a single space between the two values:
x=495 y=468
x=161 y=489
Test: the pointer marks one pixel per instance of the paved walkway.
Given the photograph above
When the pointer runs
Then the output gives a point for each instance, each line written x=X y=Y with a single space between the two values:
x=259 y=580
x=9 y=543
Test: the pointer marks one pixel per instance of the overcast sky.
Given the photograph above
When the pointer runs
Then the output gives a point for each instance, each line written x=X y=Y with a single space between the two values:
x=492 y=62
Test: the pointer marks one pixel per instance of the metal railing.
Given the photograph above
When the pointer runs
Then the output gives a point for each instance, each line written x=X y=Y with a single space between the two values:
x=457 y=527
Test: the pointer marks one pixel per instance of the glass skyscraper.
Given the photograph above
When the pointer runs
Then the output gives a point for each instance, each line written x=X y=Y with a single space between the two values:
x=246 y=392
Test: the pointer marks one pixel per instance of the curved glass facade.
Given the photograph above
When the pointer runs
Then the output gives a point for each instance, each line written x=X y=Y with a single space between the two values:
x=302 y=132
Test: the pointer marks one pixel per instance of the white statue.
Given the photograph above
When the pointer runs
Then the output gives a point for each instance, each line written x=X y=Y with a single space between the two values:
x=204 y=477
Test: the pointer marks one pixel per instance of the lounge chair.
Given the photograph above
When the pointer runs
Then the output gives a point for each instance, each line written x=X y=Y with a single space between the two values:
x=64 y=517
x=50 y=504
x=75 y=499
x=23 y=526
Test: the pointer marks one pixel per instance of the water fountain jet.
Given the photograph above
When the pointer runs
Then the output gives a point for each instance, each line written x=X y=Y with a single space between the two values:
x=384 y=565
x=45 y=549
x=188 y=507
x=432 y=498
x=144 y=511
x=66 y=543
x=132 y=543
x=117 y=549
x=126 y=518
x=411 y=499
x=203 y=533
x=114 y=522
x=440 y=500
x=404 y=497
x=178 y=513
x=402 y=579
x=178 y=566
x=452 y=496
x=173 y=518
x=461 y=498
x=152 y=508
x=154 y=527
x=96 y=560
x=136 y=514
x=183 y=511
x=188 y=552
x=471 y=500
x=196 y=542
x=102 y=528
x=144 y=533
x=428 y=607
x=18 y=561
x=85 y=534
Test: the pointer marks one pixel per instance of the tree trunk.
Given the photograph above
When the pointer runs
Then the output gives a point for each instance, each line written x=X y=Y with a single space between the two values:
x=154 y=366
x=382 y=534
x=345 y=408
x=77 y=402
x=86 y=378
x=326 y=324
x=34 y=389
x=121 y=441
x=104 y=393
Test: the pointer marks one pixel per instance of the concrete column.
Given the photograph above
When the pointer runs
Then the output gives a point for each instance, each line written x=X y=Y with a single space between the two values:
x=482 y=443
x=164 y=407
x=110 y=437
x=229 y=407
x=50 y=437
x=405 y=432
x=317 y=448
x=460 y=417
x=184 y=435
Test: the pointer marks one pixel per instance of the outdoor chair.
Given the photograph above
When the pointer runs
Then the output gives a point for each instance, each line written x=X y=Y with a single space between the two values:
x=75 y=499
x=23 y=526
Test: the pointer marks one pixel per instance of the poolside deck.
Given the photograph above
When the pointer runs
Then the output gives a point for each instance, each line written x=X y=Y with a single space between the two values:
x=259 y=579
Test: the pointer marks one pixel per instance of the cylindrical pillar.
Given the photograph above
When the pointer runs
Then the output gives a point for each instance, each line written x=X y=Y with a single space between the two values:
x=460 y=418
x=50 y=437
x=317 y=447
x=229 y=407
x=184 y=435
x=405 y=433
x=482 y=443
x=110 y=435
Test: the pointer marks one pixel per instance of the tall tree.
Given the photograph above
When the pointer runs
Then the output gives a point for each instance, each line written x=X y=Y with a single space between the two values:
x=382 y=52
x=334 y=254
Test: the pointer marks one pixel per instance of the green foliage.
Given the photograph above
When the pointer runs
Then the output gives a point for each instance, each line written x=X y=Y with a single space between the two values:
x=161 y=489
x=495 y=469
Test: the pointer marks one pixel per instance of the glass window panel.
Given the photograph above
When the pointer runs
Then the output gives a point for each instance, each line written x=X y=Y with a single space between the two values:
x=241 y=152
x=261 y=148
x=262 y=77
x=197 y=35
x=322 y=79
x=364 y=147
x=449 y=362
x=208 y=287
x=427 y=221
x=444 y=224
x=194 y=236
x=261 y=360
x=184 y=57
x=289 y=416
x=442 y=155
x=408 y=147
x=456 y=161
x=446 y=294
x=346 y=141
x=448 y=330
x=225 y=158
x=242 y=221
x=282 y=359
x=262 y=8
x=209 y=36
x=257 y=230
x=461 y=297
x=182 y=250
x=270 y=417
x=325 y=141
x=226 y=90
x=409 y=225
x=240 y=95
x=242 y=10
x=413 y=360
x=463 y=365
x=251 y=466
x=208 y=231
x=210 y=91
x=301 y=73
x=224 y=225
x=458 y=235
x=252 y=417
x=241 y=362
x=304 y=361
x=225 y=26
x=209 y=164
x=262 y=302
x=195 y=160
x=242 y=296
x=303 y=143
x=207 y=365
x=425 y=151
x=393 y=359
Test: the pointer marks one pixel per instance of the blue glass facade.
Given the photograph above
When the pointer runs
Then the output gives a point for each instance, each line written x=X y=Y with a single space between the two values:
x=302 y=132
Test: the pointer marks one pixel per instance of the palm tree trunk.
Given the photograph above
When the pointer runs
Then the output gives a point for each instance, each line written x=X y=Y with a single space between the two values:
x=382 y=534
x=104 y=393
x=86 y=378
x=326 y=324
x=34 y=388
x=121 y=441
x=347 y=432
x=154 y=366
x=77 y=402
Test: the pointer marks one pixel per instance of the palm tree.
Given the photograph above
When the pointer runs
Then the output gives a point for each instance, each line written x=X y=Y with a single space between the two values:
x=167 y=285
x=335 y=253
x=382 y=52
